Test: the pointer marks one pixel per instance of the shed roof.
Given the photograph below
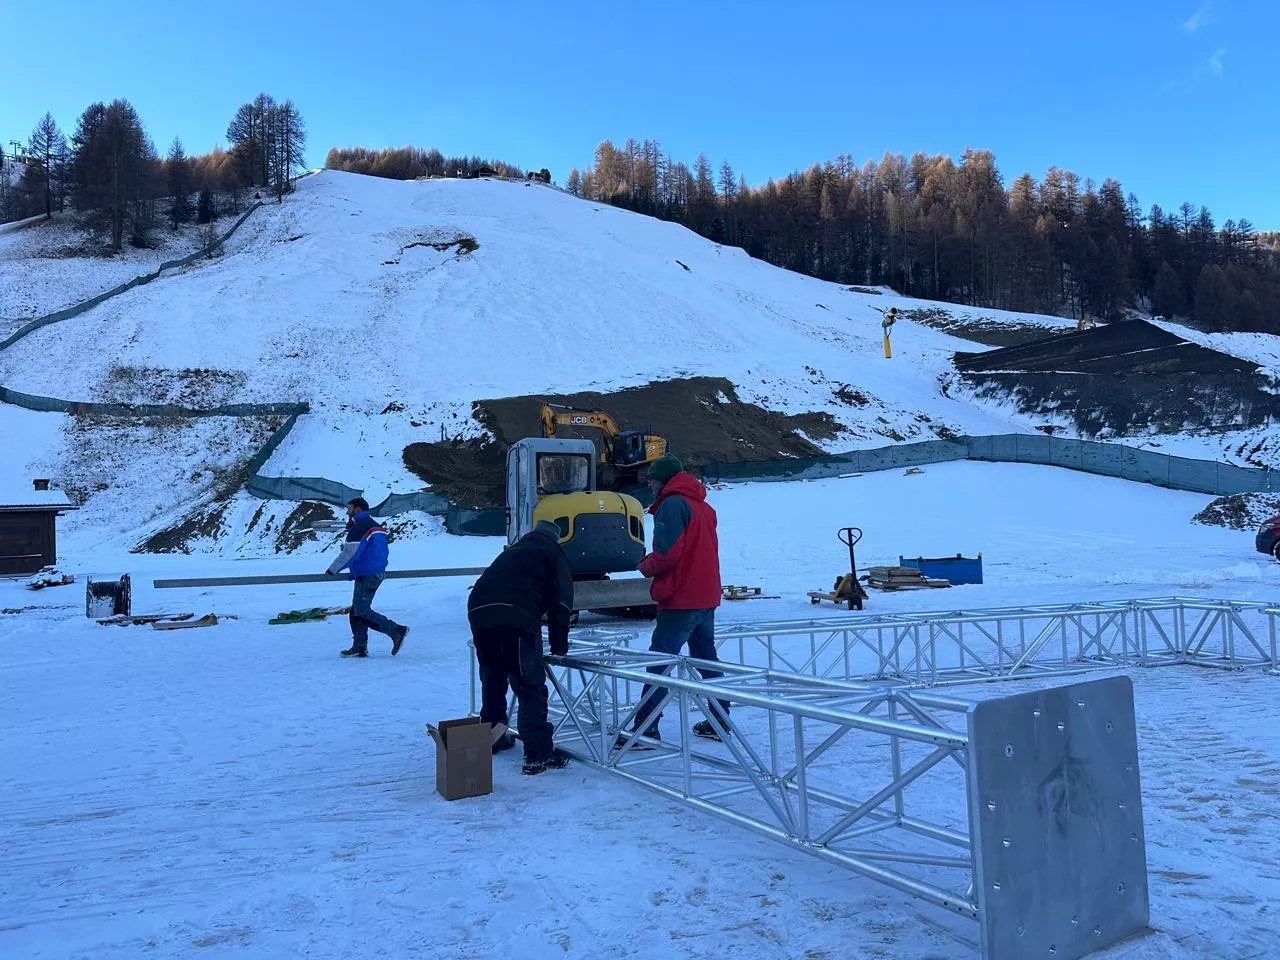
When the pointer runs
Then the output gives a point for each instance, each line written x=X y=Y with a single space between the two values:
x=13 y=498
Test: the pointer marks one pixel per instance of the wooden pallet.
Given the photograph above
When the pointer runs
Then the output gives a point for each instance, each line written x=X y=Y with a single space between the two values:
x=731 y=592
x=121 y=620
x=902 y=578
x=208 y=620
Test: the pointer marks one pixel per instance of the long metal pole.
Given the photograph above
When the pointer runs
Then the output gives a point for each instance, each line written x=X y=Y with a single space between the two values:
x=310 y=578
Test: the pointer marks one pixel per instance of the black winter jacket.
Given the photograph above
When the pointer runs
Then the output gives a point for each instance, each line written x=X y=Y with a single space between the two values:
x=528 y=580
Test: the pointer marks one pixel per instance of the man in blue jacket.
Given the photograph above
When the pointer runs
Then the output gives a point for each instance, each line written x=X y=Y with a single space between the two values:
x=364 y=556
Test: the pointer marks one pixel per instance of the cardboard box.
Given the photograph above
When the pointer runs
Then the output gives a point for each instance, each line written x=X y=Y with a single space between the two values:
x=464 y=756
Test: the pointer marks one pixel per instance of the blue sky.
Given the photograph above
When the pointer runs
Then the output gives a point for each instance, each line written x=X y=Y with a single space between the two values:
x=1178 y=99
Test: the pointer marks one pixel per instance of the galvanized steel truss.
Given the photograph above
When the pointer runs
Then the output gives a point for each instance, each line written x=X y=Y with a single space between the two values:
x=781 y=770
x=839 y=749
x=937 y=649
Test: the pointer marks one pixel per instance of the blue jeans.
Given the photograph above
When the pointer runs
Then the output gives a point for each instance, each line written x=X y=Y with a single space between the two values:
x=673 y=630
x=363 y=616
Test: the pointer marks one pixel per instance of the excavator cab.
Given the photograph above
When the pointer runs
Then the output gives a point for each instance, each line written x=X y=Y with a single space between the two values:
x=601 y=532
x=629 y=448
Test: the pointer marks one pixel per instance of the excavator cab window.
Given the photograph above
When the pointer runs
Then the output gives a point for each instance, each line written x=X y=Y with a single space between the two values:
x=563 y=473
x=628 y=448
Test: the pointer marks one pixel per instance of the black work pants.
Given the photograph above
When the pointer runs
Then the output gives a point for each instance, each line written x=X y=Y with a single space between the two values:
x=512 y=658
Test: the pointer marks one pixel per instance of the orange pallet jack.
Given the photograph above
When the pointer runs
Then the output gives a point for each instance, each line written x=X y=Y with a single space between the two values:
x=847 y=589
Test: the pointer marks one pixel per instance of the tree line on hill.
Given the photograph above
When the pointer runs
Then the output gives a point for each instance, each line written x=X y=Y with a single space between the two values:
x=930 y=227
x=110 y=173
x=411 y=163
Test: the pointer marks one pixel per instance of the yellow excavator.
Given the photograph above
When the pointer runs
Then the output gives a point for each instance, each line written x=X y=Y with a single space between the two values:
x=601 y=531
x=625 y=455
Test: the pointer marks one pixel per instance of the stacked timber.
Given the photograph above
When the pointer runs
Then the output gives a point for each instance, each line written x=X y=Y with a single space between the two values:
x=902 y=578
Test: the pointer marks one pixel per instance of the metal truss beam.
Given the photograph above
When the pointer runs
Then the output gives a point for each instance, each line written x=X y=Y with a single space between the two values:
x=838 y=747
x=938 y=649
x=918 y=791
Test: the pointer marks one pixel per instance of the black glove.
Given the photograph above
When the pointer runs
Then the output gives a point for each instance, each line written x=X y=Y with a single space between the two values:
x=559 y=645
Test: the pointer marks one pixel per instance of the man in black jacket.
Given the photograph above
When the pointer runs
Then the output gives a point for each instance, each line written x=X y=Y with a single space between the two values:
x=529 y=580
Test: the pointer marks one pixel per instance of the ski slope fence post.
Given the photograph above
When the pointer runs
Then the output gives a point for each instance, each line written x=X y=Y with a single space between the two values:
x=1021 y=812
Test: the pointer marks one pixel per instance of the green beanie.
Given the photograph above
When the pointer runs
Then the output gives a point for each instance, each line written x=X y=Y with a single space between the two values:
x=665 y=467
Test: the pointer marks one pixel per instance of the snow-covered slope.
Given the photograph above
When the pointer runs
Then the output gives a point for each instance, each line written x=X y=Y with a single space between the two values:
x=46 y=265
x=337 y=298
x=355 y=296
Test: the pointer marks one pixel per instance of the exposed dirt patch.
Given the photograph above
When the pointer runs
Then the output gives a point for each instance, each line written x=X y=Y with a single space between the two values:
x=993 y=333
x=211 y=523
x=471 y=473
x=464 y=245
x=1241 y=511
x=297 y=527
x=1124 y=379
x=205 y=524
x=185 y=388
x=702 y=418
x=850 y=397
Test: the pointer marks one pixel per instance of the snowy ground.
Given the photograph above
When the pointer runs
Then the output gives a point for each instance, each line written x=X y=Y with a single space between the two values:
x=241 y=792
x=46 y=266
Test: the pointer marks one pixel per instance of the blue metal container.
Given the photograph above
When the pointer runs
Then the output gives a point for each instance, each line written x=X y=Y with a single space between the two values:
x=957 y=569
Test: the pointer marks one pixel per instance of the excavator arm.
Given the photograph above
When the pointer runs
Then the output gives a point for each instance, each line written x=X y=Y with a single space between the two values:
x=553 y=417
x=625 y=452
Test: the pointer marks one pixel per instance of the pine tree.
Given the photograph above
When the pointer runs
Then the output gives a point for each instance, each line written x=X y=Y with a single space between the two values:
x=1215 y=299
x=178 y=175
x=289 y=147
x=47 y=154
x=204 y=207
x=113 y=169
x=1167 y=296
x=249 y=134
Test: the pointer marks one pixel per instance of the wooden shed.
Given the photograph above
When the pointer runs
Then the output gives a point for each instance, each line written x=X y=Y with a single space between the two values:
x=28 y=528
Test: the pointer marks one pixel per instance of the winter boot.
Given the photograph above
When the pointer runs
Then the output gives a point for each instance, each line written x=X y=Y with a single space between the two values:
x=398 y=640
x=556 y=761
x=705 y=729
x=504 y=742
x=354 y=651
x=645 y=741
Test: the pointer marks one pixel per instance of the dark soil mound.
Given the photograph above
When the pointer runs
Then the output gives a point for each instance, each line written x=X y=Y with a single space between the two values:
x=993 y=333
x=702 y=418
x=1241 y=511
x=471 y=473
x=1130 y=347
x=1123 y=379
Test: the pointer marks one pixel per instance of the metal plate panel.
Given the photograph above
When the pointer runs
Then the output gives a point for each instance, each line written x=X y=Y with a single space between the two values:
x=1056 y=814
x=607 y=594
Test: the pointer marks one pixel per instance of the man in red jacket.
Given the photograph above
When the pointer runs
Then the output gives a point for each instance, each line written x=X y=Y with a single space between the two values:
x=685 y=567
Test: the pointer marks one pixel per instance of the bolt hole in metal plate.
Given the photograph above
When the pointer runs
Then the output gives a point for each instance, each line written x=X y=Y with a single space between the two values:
x=1056 y=808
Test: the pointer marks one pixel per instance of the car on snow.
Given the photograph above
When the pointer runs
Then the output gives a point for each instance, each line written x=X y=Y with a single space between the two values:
x=1268 y=540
